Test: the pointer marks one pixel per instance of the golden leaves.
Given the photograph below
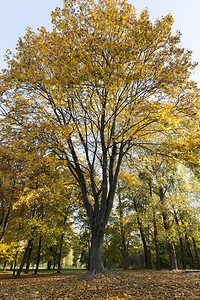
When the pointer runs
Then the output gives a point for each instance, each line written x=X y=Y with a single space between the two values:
x=95 y=47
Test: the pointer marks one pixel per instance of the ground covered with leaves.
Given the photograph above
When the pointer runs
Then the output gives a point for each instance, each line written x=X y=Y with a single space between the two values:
x=119 y=285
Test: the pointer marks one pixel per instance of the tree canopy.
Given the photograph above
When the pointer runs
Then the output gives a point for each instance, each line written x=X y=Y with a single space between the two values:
x=101 y=83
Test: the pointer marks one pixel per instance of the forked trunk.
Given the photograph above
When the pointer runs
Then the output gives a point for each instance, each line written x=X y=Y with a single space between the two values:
x=96 y=264
x=24 y=258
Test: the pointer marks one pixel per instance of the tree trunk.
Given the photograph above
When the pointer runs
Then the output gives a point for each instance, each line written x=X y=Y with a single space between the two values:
x=2 y=215
x=196 y=253
x=181 y=242
x=5 y=223
x=49 y=265
x=147 y=253
x=15 y=263
x=125 y=261
x=158 y=264
x=96 y=264
x=172 y=255
x=4 y=266
x=28 y=259
x=88 y=260
x=28 y=249
x=172 y=251
x=38 y=255
x=147 y=257
x=54 y=264
x=189 y=252
x=24 y=258
x=11 y=267
x=182 y=253
x=8 y=213
x=60 y=254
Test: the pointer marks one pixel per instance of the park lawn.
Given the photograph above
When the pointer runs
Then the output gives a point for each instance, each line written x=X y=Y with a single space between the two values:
x=119 y=285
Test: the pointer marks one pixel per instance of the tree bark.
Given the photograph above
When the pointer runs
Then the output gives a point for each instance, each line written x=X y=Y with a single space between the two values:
x=196 y=253
x=5 y=222
x=4 y=266
x=172 y=250
x=54 y=264
x=125 y=261
x=172 y=255
x=147 y=255
x=189 y=252
x=96 y=264
x=38 y=255
x=158 y=263
x=60 y=254
x=2 y=215
x=28 y=259
x=28 y=249
x=181 y=243
x=49 y=265
x=15 y=263
x=8 y=212
x=184 y=264
x=24 y=258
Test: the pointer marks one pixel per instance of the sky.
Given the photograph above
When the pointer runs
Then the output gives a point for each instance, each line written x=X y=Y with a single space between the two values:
x=17 y=15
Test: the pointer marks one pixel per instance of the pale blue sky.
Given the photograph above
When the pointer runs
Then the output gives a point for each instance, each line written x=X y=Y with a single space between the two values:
x=16 y=15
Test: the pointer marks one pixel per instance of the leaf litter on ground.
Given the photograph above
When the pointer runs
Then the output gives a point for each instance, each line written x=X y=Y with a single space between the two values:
x=118 y=285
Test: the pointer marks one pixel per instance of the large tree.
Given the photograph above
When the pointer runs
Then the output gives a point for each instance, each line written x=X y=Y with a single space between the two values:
x=102 y=82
